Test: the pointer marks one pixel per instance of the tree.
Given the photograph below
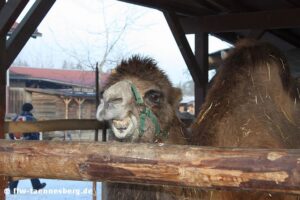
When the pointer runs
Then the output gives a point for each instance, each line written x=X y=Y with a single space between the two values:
x=107 y=49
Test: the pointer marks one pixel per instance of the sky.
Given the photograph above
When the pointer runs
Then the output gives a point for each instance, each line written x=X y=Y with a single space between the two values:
x=74 y=32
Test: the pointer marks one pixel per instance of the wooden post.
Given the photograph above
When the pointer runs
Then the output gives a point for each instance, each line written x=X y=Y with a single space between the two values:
x=3 y=179
x=79 y=101
x=67 y=102
x=201 y=54
x=2 y=101
x=96 y=130
x=209 y=168
x=97 y=96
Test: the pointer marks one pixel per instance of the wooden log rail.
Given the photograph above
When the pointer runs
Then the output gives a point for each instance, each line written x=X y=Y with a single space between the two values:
x=209 y=168
x=53 y=125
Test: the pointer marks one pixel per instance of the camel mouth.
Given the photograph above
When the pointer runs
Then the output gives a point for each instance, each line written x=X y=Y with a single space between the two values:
x=124 y=128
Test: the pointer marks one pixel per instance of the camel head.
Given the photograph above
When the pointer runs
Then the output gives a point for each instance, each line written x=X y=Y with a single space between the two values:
x=139 y=102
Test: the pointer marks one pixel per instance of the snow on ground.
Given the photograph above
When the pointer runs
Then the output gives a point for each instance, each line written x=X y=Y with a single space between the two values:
x=56 y=190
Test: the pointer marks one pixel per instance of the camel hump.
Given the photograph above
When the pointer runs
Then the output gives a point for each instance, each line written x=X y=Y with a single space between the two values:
x=260 y=50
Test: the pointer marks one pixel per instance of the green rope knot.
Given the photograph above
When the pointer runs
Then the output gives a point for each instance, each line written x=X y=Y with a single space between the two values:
x=137 y=96
x=146 y=113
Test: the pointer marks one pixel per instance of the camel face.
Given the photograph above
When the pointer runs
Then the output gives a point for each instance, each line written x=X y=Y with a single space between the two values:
x=117 y=107
x=121 y=107
x=137 y=106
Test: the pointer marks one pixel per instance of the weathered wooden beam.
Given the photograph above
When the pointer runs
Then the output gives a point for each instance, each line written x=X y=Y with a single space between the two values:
x=183 y=46
x=209 y=168
x=9 y=13
x=272 y=19
x=52 y=125
x=26 y=28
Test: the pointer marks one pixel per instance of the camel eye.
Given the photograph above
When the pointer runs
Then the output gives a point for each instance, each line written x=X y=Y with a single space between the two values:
x=154 y=97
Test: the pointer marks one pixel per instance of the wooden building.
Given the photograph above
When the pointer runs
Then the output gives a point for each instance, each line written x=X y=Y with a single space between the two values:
x=54 y=95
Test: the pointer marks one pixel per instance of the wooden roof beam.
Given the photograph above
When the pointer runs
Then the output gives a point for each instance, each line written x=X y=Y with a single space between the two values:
x=186 y=7
x=256 y=34
x=184 y=46
x=287 y=36
x=218 y=5
x=260 y=20
x=9 y=14
x=197 y=63
x=26 y=28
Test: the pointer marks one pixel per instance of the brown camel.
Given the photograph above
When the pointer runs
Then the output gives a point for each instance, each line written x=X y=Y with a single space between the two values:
x=253 y=103
x=141 y=103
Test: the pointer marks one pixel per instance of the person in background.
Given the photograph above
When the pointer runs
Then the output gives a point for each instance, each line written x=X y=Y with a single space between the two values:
x=26 y=115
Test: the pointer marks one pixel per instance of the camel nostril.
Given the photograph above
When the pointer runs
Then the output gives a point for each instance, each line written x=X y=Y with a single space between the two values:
x=100 y=111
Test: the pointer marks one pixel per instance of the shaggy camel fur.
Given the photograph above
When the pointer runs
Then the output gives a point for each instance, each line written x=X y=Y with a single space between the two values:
x=253 y=103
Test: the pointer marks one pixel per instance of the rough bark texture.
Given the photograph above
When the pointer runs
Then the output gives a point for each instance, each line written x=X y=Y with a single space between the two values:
x=210 y=168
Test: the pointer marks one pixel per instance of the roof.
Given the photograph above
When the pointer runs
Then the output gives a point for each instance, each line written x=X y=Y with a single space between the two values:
x=64 y=93
x=273 y=20
x=63 y=76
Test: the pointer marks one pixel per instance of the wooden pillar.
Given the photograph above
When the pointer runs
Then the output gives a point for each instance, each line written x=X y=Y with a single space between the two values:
x=201 y=54
x=67 y=102
x=79 y=101
x=3 y=179
x=97 y=97
x=96 y=138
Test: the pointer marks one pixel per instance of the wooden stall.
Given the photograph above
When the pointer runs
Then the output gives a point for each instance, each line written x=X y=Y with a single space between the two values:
x=276 y=21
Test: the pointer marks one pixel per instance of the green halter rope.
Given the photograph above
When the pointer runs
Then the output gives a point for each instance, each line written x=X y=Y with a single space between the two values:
x=146 y=112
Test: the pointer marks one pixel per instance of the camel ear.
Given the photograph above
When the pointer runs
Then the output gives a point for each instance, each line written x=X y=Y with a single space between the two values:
x=176 y=97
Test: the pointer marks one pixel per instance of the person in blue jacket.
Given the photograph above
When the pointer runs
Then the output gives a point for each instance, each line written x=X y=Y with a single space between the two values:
x=26 y=115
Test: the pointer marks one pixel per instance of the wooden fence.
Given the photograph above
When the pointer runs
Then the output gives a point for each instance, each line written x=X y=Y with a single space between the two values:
x=205 y=167
x=53 y=125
